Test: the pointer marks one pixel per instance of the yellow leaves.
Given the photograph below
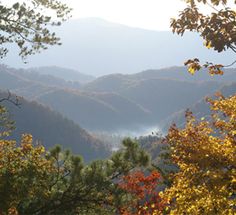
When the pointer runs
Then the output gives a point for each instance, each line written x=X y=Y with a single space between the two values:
x=145 y=208
x=191 y=70
x=4 y=133
x=233 y=181
x=12 y=211
x=207 y=44
x=40 y=150
x=193 y=65
x=23 y=163
x=26 y=147
x=206 y=180
x=26 y=138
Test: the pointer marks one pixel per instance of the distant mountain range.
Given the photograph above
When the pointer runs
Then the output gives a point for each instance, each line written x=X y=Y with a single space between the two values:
x=69 y=75
x=199 y=109
x=97 y=47
x=115 y=102
x=61 y=101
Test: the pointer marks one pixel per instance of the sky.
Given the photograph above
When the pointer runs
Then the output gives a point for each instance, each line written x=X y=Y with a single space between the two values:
x=147 y=14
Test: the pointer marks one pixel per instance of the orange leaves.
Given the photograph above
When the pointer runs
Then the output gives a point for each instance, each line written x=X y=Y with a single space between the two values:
x=145 y=196
x=213 y=69
x=139 y=184
x=193 y=66
x=205 y=154
x=12 y=211
x=26 y=143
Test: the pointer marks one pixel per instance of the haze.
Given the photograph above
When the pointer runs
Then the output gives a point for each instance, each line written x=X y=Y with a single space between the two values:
x=148 y=14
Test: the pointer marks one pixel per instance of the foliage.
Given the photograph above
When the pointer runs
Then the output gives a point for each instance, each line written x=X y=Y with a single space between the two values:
x=26 y=25
x=205 y=154
x=6 y=125
x=144 y=192
x=216 y=28
x=36 y=181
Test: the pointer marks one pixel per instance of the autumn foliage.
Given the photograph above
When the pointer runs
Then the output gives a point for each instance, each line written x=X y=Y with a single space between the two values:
x=205 y=153
x=24 y=173
x=143 y=190
x=216 y=26
x=37 y=181
x=34 y=180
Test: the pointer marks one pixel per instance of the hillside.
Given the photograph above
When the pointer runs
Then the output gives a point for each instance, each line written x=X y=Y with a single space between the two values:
x=181 y=73
x=50 y=128
x=62 y=73
x=31 y=84
x=115 y=102
x=96 y=111
x=200 y=109
x=118 y=101
x=160 y=96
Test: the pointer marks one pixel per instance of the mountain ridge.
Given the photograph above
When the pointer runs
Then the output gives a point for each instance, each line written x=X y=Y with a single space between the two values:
x=51 y=128
x=124 y=49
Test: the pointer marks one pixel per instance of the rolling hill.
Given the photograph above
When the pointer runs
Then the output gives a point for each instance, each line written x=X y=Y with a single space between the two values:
x=200 y=109
x=96 y=111
x=51 y=128
x=67 y=74
x=162 y=95
x=116 y=102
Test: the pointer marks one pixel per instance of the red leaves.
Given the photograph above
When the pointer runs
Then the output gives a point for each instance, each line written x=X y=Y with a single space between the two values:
x=146 y=199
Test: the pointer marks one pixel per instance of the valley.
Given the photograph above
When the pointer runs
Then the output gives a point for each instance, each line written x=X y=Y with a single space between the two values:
x=125 y=105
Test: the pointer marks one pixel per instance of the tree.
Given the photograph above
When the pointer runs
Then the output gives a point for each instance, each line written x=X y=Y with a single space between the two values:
x=36 y=181
x=217 y=29
x=205 y=150
x=26 y=25
x=144 y=194
x=205 y=154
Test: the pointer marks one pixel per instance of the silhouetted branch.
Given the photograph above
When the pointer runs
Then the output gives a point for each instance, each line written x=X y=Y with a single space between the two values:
x=13 y=100
x=230 y=64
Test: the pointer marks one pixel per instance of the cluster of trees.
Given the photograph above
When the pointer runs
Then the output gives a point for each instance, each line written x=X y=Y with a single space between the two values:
x=36 y=181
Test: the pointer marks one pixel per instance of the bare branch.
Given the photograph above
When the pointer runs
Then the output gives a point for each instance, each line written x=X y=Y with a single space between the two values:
x=230 y=64
x=13 y=100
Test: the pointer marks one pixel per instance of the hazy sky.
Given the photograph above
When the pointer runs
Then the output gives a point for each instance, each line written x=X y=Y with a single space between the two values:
x=149 y=14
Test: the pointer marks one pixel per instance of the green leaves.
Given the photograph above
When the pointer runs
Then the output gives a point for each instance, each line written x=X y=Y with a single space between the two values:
x=36 y=181
x=26 y=25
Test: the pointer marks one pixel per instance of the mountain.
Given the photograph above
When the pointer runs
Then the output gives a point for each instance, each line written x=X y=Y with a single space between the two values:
x=160 y=96
x=91 y=110
x=199 y=109
x=51 y=128
x=70 y=75
x=116 y=102
x=96 y=111
x=98 y=47
x=119 y=101
x=181 y=73
x=32 y=82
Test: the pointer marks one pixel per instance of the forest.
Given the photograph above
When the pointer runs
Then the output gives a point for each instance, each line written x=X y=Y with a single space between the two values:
x=54 y=158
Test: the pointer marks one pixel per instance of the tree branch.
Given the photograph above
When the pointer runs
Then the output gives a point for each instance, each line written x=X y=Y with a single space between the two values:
x=12 y=101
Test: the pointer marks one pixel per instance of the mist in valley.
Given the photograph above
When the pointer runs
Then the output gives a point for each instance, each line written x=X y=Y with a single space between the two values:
x=112 y=81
